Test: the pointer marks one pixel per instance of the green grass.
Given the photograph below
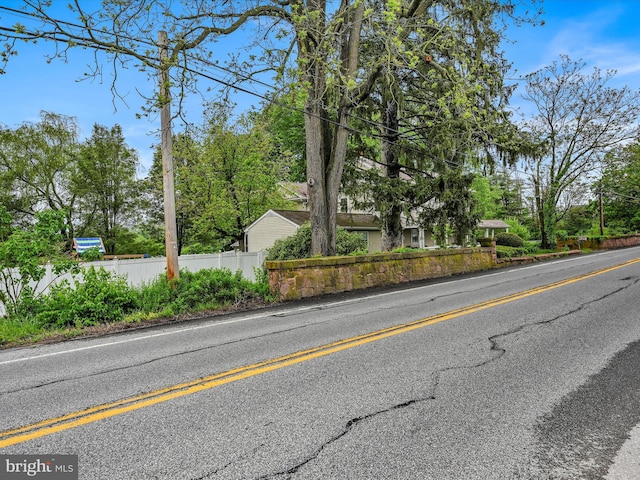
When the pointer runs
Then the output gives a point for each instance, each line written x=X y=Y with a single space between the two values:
x=26 y=331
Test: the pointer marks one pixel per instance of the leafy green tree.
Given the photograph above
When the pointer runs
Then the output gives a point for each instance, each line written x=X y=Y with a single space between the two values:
x=226 y=177
x=37 y=164
x=578 y=220
x=105 y=185
x=620 y=187
x=439 y=104
x=284 y=120
x=487 y=197
x=24 y=254
x=516 y=227
x=498 y=196
x=240 y=175
x=578 y=120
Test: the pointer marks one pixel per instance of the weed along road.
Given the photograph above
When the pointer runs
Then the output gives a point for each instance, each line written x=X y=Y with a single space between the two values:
x=527 y=372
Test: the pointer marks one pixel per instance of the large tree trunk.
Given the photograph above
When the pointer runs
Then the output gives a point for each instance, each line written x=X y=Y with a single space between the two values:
x=548 y=221
x=391 y=213
x=327 y=144
x=546 y=204
x=316 y=180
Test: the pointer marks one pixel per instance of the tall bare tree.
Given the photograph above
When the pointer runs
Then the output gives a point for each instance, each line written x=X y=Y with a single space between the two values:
x=579 y=119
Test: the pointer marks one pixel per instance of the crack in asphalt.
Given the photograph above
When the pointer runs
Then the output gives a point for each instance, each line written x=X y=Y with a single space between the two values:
x=475 y=290
x=493 y=340
x=437 y=375
x=218 y=470
x=347 y=428
x=581 y=435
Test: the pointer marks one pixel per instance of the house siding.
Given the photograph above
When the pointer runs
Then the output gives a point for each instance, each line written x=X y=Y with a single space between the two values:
x=264 y=233
x=374 y=240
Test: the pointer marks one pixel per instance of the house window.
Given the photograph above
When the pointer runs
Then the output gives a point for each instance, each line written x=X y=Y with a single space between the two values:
x=364 y=235
x=415 y=237
x=344 y=205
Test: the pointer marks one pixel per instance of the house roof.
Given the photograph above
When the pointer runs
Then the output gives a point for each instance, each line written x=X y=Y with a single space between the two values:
x=349 y=221
x=492 y=224
x=294 y=191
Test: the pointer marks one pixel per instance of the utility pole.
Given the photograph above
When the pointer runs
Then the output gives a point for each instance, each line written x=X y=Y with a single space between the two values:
x=601 y=210
x=170 y=228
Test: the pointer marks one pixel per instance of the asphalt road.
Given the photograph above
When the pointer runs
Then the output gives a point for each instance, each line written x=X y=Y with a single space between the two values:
x=528 y=372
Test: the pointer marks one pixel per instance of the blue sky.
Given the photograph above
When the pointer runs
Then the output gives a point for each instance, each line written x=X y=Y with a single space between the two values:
x=603 y=33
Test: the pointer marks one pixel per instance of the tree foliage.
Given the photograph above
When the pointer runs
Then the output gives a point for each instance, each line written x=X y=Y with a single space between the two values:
x=24 y=253
x=44 y=166
x=498 y=196
x=324 y=41
x=37 y=166
x=226 y=177
x=105 y=184
x=620 y=188
x=316 y=43
x=284 y=120
x=439 y=108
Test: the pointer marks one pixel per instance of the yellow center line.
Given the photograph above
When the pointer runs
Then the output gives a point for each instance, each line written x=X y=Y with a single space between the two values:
x=101 y=412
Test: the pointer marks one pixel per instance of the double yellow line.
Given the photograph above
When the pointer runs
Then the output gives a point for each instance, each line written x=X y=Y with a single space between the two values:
x=100 y=412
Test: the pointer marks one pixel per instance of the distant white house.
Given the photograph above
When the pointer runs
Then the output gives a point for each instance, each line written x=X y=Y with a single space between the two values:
x=491 y=226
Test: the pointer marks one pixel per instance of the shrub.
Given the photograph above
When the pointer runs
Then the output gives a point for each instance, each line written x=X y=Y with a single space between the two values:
x=510 y=252
x=92 y=254
x=293 y=247
x=485 y=241
x=405 y=250
x=100 y=297
x=208 y=289
x=196 y=291
x=24 y=254
x=348 y=243
x=509 y=240
x=516 y=227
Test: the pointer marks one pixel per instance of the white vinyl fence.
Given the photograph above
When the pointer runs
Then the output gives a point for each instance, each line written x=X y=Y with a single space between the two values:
x=143 y=270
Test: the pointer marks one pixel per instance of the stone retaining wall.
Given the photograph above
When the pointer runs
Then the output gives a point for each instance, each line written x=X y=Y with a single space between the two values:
x=598 y=243
x=296 y=279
